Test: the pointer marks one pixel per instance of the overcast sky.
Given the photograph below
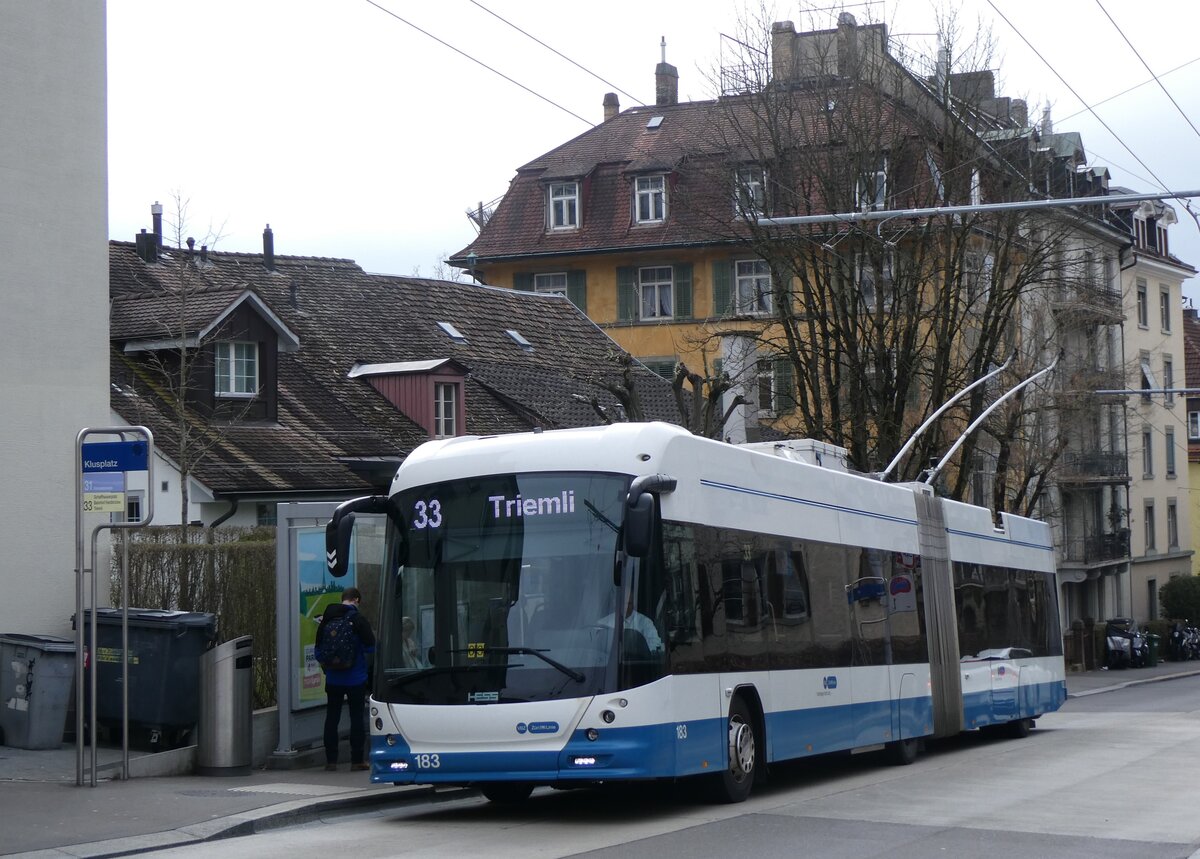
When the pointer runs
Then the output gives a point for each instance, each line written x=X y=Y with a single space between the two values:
x=354 y=134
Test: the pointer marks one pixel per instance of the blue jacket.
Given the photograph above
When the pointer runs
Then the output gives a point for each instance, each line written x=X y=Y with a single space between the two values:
x=357 y=674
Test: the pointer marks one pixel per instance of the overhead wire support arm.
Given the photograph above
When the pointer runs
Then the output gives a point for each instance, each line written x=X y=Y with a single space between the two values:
x=975 y=424
x=934 y=211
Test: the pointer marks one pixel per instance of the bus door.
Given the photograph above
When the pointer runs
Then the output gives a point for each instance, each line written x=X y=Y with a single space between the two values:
x=870 y=647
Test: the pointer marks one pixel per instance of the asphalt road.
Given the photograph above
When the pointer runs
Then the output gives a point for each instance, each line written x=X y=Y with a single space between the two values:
x=1108 y=776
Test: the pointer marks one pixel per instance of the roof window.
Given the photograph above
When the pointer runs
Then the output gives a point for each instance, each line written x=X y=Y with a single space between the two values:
x=519 y=340
x=452 y=332
x=655 y=122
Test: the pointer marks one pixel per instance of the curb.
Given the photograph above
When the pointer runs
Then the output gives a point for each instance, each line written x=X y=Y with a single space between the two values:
x=1140 y=681
x=252 y=822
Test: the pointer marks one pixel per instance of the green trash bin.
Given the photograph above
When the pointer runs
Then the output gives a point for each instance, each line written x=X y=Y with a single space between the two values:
x=1152 y=642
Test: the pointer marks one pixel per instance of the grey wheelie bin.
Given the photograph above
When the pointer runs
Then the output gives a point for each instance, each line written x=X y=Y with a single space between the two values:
x=37 y=673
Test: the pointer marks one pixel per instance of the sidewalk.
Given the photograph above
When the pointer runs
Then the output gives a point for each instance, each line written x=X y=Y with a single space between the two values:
x=1084 y=683
x=44 y=814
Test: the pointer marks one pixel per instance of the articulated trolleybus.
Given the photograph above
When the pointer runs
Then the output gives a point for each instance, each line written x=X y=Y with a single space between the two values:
x=633 y=602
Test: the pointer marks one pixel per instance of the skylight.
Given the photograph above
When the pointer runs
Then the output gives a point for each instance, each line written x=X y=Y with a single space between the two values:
x=655 y=122
x=452 y=332
x=520 y=341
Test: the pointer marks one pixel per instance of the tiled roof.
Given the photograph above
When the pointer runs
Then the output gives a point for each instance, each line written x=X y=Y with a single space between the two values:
x=605 y=157
x=343 y=316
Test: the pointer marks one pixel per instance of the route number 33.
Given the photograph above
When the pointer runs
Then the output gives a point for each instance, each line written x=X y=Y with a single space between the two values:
x=427 y=515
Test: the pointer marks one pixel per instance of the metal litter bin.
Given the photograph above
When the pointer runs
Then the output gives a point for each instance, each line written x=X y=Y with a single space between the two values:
x=1152 y=645
x=37 y=673
x=225 y=731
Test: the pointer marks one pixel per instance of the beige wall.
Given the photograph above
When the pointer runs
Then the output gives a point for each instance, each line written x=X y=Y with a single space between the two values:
x=54 y=278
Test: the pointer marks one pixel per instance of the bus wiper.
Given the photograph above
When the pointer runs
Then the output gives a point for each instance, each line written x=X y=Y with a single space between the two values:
x=393 y=682
x=523 y=651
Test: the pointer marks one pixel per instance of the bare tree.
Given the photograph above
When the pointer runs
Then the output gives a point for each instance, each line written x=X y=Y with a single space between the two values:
x=881 y=321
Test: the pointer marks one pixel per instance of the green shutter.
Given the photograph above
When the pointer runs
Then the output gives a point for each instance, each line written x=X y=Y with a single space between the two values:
x=722 y=288
x=577 y=289
x=683 y=291
x=785 y=386
x=523 y=280
x=626 y=294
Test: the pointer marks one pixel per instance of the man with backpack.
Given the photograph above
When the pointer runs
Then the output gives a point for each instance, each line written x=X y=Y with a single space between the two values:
x=344 y=638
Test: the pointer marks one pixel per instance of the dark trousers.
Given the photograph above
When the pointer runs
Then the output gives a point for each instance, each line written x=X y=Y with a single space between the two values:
x=356 y=697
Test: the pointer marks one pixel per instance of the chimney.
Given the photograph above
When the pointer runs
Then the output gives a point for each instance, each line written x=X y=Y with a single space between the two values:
x=156 y=218
x=1047 y=125
x=204 y=254
x=147 y=247
x=268 y=249
x=612 y=105
x=191 y=251
x=666 y=80
x=943 y=71
x=783 y=51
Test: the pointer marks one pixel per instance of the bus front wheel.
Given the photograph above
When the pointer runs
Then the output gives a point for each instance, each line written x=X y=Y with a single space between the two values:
x=734 y=782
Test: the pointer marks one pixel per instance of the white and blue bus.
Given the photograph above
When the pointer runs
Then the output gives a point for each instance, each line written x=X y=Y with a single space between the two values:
x=633 y=602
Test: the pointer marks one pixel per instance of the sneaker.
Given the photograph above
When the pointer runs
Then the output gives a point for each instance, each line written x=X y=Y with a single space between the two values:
x=330 y=768
x=360 y=766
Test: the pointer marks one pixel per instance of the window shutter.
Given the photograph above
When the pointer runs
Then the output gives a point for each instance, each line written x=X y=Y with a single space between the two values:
x=723 y=288
x=523 y=280
x=626 y=294
x=785 y=386
x=577 y=289
x=683 y=291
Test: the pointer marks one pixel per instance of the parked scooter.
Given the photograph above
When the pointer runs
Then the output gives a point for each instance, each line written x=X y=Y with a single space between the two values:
x=1177 y=642
x=1124 y=644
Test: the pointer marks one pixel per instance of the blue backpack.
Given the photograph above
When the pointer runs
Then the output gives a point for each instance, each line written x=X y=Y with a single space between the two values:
x=337 y=643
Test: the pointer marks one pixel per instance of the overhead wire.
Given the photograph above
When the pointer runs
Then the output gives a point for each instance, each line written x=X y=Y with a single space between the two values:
x=1150 y=70
x=557 y=52
x=480 y=62
x=1054 y=71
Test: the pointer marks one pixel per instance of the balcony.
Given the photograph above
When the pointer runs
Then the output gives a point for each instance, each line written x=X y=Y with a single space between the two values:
x=1097 y=548
x=1090 y=301
x=1084 y=379
x=1093 y=466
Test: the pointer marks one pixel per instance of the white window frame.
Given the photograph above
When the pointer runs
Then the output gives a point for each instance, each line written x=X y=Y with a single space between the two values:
x=656 y=284
x=563 y=205
x=135 y=506
x=766 y=385
x=445 y=409
x=864 y=278
x=751 y=287
x=1172 y=524
x=1149 y=525
x=1143 y=303
x=749 y=196
x=235 y=370
x=1147 y=452
x=650 y=199
x=1164 y=307
x=1168 y=380
x=870 y=190
x=550 y=283
x=1139 y=231
x=1193 y=426
x=1169 y=435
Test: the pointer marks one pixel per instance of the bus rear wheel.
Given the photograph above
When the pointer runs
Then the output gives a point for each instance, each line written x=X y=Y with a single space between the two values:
x=506 y=792
x=734 y=783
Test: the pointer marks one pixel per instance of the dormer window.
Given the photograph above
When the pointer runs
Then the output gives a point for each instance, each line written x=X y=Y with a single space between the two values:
x=445 y=410
x=749 y=192
x=650 y=199
x=871 y=189
x=236 y=369
x=564 y=206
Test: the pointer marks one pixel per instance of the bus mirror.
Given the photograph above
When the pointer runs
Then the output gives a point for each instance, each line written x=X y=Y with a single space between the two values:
x=639 y=525
x=341 y=528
